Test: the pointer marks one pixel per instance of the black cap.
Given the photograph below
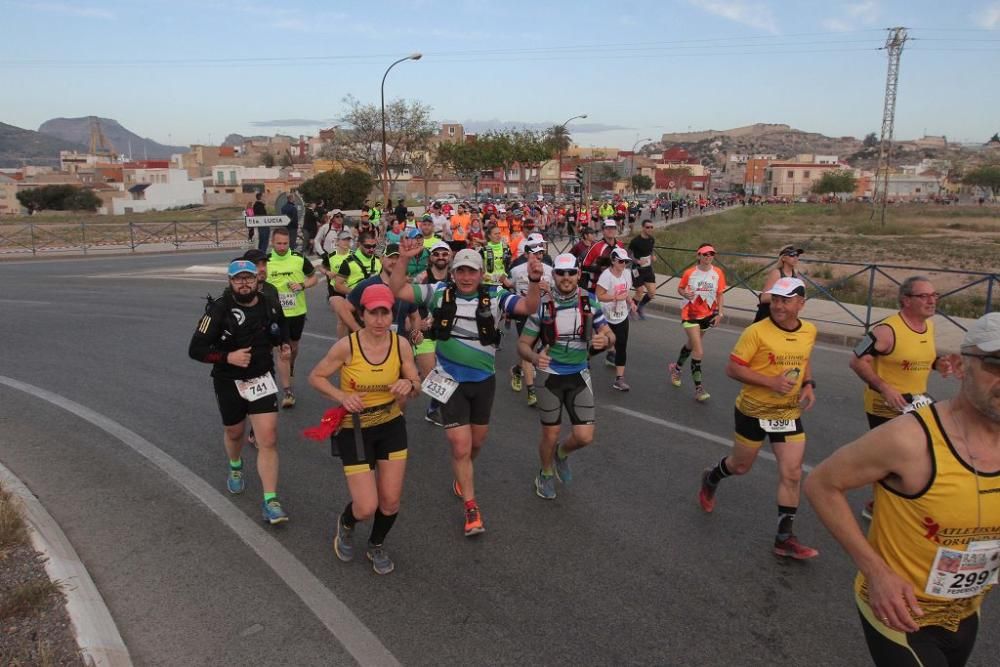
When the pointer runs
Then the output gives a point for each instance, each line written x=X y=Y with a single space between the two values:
x=254 y=255
x=790 y=250
x=391 y=249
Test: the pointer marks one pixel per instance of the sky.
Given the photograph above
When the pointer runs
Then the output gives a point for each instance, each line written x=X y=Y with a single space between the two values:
x=193 y=71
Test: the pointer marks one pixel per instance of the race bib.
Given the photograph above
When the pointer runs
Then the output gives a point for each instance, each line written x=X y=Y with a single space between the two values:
x=777 y=425
x=257 y=388
x=645 y=261
x=439 y=385
x=964 y=574
x=287 y=300
x=919 y=401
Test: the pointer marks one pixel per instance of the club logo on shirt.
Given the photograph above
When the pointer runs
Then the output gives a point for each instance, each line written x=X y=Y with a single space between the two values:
x=239 y=315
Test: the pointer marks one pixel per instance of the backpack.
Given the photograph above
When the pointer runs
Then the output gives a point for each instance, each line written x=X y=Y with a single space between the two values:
x=548 y=333
x=444 y=317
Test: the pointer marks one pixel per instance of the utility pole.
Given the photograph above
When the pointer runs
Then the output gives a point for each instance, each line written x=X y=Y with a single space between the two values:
x=894 y=45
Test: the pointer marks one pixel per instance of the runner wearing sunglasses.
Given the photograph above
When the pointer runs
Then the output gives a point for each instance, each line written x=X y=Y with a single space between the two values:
x=788 y=262
x=702 y=287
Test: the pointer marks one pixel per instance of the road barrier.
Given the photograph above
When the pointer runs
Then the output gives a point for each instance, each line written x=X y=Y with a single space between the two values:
x=131 y=236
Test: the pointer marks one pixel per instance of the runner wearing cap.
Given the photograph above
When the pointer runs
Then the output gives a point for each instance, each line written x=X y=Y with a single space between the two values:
x=466 y=314
x=523 y=373
x=424 y=346
x=771 y=360
x=325 y=242
x=702 y=287
x=418 y=264
x=558 y=338
x=641 y=249
x=598 y=256
x=614 y=291
x=372 y=391
x=406 y=319
x=236 y=335
x=496 y=257
x=788 y=262
x=895 y=357
x=933 y=547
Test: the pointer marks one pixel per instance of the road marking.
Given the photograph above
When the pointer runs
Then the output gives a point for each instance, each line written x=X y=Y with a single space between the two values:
x=704 y=435
x=27 y=302
x=312 y=335
x=736 y=332
x=355 y=637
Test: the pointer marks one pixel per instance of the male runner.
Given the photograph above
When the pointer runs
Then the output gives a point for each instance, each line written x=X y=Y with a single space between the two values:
x=523 y=373
x=424 y=346
x=598 y=256
x=641 y=249
x=360 y=264
x=771 y=360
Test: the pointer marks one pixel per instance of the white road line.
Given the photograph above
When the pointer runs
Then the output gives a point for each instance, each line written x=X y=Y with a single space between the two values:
x=26 y=302
x=356 y=638
x=312 y=335
x=704 y=435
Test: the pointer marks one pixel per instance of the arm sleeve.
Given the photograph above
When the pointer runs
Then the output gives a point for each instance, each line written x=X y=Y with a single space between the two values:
x=204 y=342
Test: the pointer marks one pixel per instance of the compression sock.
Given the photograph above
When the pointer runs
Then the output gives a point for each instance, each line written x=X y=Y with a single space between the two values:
x=269 y=496
x=347 y=517
x=381 y=527
x=696 y=371
x=546 y=472
x=718 y=473
x=236 y=465
x=786 y=515
x=685 y=353
x=645 y=299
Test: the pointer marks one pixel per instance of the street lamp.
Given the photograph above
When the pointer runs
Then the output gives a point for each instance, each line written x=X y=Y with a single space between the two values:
x=559 y=180
x=632 y=170
x=385 y=158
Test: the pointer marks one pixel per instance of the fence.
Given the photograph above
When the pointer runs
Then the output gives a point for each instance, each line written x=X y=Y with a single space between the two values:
x=22 y=239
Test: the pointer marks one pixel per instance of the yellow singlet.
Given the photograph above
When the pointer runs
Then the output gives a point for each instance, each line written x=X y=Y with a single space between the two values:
x=374 y=379
x=906 y=367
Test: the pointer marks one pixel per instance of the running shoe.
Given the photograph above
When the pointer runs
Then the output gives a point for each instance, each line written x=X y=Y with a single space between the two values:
x=289 y=400
x=869 y=507
x=272 y=513
x=545 y=487
x=456 y=488
x=620 y=384
x=433 y=415
x=342 y=541
x=381 y=563
x=563 y=473
x=706 y=494
x=640 y=313
x=235 y=482
x=473 y=521
x=700 y=394
x=516 y=383
x=675 y=374
x=791 y=548
x=532 y=397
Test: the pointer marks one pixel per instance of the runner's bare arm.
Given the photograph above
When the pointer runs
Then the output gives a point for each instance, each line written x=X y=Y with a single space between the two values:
x=319 y=378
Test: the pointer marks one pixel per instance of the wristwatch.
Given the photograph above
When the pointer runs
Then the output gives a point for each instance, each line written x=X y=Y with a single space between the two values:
x=809 y=383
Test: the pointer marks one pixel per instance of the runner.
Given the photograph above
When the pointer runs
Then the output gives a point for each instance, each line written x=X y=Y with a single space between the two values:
x=236 y=335
x=614 y=288
x=466 y=314
x=557 y=339
x=641 y=249
x=598 y=256
x=896 y=356
x=291 y=274
x=418 y=264
x=437 y=271
x=702 y=287
x=360 y=264
x=372 y=392
x=933 y=548
x=788 y=261
x=496 y=257
x=523 y=373
x=771 y=360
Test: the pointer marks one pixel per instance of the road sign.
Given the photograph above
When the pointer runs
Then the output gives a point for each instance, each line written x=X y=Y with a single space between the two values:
x=267 y=220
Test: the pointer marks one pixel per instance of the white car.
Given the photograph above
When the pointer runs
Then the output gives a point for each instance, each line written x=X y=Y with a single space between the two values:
x=447 y=199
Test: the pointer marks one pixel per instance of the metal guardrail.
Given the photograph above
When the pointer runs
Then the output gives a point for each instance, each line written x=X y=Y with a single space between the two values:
x=85 y=237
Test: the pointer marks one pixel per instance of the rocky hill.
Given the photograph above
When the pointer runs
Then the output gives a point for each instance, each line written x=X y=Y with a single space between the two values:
x=776 y=138
x=77 y=130
x=19 y=146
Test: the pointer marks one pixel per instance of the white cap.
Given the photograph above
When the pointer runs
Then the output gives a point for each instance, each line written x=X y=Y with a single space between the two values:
x=619 y=253
x=565 y=261
x=440 y=245
x=535 y=239
x=608 y=222
x=788 y=287
x=984 y=333
x=345 y=236
x=469 y=258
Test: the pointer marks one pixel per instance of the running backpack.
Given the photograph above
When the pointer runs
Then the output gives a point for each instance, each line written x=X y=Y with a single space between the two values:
x=549 y=334
x=444 y=317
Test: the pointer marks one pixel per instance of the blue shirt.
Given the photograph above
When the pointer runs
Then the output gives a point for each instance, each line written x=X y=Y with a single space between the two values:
x=401 y=310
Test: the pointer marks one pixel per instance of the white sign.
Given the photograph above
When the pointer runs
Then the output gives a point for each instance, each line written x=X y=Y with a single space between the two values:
x=267 y=220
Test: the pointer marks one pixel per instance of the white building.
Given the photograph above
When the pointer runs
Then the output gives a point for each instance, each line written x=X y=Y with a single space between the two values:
x=157 y=190
x=906 y=186
x=233 y=175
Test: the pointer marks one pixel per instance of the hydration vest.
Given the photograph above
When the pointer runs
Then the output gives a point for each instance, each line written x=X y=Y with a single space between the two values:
x=446 y=312
x=549 y=334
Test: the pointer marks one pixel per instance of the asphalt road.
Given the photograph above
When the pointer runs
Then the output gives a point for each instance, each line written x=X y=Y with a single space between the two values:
x=623 y=567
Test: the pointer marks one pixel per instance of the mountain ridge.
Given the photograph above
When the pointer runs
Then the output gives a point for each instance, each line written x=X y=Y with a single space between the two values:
x=77 y=130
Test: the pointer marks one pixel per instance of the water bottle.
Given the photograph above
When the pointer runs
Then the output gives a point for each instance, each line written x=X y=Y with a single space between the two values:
x=792 y=374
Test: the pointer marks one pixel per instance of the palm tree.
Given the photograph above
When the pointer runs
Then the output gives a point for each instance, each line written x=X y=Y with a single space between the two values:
x=558 y=137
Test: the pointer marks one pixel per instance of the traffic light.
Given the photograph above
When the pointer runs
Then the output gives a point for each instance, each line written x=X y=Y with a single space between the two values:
x=579 y=176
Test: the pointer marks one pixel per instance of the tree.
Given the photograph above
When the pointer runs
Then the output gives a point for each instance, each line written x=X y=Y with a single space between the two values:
x=339 y=189
x=641 y=182
x=835 y=182
x=268 y=159
x=995 y=139
x=408 y=131
x=467 y=160
x=870 y=140
x=59 y=198
x=986 y=177
x=286 y=159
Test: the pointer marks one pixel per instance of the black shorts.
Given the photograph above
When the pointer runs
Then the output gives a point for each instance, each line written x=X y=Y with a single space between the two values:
x=644 y=274
x=234 y=408
x=472 y=403
x=519 y=323
x=330 y=292
x=749 y=431
x=385 y=442
x=572 y=392
x=930 y=645
x=703 y=324
x=874 y=421
x=295 y=326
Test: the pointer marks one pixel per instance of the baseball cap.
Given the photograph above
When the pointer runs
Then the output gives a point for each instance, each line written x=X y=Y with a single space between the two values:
x=564 y=261
x=534 y=239
x=344 y=235
x=534 y=248
x=440 y=245
x=254 y=255
x=620 y=253
x=469 y=258
x=790 y=250
x=377 y=296
x=337 y=211
x=984 y=333
x=426 y=217
x=608 y=222
x=238 y=266
x=391 y=249
x=787 y=287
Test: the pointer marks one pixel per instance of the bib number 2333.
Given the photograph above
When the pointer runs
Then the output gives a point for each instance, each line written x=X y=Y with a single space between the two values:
x=439 y=385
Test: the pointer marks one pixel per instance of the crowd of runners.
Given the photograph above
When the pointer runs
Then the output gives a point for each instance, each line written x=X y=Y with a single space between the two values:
x=422 y=304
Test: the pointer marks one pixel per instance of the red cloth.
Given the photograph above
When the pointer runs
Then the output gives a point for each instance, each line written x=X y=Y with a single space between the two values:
x=328 y=425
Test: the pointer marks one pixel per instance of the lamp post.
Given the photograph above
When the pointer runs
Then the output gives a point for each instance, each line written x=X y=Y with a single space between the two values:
x=632 y=170
x=559 y=179
x=385 y=158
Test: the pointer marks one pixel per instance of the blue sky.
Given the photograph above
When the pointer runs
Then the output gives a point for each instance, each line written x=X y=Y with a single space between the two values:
x=188 y=71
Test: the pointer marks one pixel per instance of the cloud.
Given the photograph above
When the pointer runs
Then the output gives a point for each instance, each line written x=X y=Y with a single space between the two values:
x=480 y=126
x=855 y=14
x=64 y=9
x=753 y=14
x=292 y=122
x=988 y=17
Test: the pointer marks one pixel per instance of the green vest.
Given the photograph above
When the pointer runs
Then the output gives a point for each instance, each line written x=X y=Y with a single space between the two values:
x=374 y=215
x=284 y=269
x=361 y=267
x=335 y=260
x=493 y=268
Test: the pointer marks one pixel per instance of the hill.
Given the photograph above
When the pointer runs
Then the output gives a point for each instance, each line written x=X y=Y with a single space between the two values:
x=19 y=146
x=77 y=130
x=775 y=138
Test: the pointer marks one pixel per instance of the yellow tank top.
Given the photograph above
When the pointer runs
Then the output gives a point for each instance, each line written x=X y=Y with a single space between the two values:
x=906 y=367
x=923 y=537
x=374 y=379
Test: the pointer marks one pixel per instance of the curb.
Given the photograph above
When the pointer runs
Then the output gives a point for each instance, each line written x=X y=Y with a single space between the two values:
x=93 y=626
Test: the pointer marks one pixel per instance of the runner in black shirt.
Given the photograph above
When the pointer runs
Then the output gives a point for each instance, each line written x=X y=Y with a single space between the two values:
x=641 y=249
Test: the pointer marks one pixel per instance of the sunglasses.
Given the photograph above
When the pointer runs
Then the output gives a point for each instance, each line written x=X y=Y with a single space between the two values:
x=440 y=253
x=566 y=272
x=706 y=254
x=791 y=254
x=244 y=278
x=370 y=247
x=620 y=261
x=991 y=362
x=928 y=296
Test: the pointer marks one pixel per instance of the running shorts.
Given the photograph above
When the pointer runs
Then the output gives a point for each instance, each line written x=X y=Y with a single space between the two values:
x=234 y=408
x=749 y=431
x=930 y=645
x=703 y=323
x=645 y=275
x=385 y=442
x=295 y=326
x=573 y=393
x=472 y=403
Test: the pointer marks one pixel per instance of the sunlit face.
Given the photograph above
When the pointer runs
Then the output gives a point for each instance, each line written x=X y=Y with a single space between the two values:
x=981 y=382
x=566 y=279
x=785 y=309
x=377 y=320
x=921 y=301
x=441 y=259
x=280 y=243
